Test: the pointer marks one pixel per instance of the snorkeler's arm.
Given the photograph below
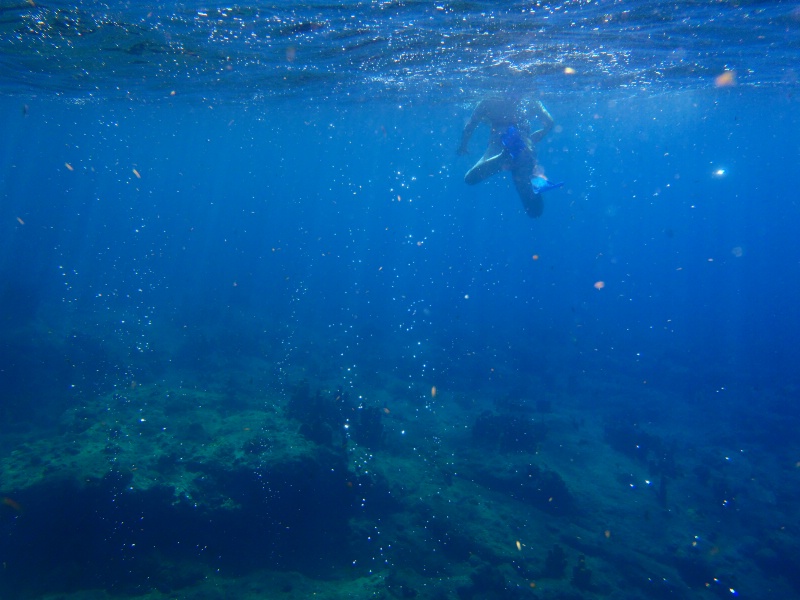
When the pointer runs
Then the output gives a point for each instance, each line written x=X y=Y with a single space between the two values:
x=469 y=128
x=545 y=118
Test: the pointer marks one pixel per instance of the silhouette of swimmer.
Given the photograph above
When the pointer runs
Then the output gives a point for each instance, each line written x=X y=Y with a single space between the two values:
x=511 y=145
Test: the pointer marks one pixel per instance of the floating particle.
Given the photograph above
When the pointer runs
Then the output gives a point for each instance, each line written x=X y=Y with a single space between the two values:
x=535 y=257
x=569 y=71
x=386 y=411
x=69 y=167
x=20 y=221
x=519 y=546
x=725 y=79
x=135 y=172
x=607 y=533
x=599 y=285
x=12 y=503
x=433 y=391
x=737 y=251
x=172 y=93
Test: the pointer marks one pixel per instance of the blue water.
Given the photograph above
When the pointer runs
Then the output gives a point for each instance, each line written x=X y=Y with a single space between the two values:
x=199 y=195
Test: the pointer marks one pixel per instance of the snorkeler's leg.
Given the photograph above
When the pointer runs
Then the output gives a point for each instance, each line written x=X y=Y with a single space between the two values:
x=534 y=206
x=485 y=168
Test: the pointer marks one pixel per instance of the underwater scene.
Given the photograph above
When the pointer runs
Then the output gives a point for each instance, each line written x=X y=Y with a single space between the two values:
x=385 y=299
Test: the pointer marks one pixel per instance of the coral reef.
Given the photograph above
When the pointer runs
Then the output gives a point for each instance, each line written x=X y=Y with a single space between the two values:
x=168 y=491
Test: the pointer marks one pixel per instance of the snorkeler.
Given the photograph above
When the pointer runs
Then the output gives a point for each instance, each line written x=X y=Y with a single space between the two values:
x=511 y=146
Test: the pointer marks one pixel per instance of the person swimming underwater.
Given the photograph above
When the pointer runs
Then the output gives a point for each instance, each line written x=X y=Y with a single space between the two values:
x=511 y=145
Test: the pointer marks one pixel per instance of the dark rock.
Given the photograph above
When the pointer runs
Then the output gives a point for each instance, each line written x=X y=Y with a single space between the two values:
x=368 y=429
x=529 y=483
x=555 y=565
x=582 y=575
x=508 y=432
x=632 y=440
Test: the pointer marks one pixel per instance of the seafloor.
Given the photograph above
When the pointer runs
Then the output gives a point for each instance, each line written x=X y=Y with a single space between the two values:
x=220 y=484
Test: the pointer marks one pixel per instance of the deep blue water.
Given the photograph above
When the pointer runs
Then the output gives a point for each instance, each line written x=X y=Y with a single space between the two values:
x=167 y=221
x=353 y=224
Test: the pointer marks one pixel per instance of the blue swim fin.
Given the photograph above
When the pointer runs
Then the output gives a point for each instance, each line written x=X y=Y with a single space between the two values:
x=542 y=184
